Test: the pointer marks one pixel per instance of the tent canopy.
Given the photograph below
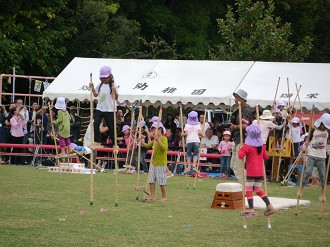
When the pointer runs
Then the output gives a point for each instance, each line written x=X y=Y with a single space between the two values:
x=196 y=83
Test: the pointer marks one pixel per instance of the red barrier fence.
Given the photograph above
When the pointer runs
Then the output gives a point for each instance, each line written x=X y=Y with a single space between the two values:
x=107 y=150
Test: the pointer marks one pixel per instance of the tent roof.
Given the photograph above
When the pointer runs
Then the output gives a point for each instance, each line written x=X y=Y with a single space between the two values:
x=190 y=82
x=197 y=83
x=314 y=79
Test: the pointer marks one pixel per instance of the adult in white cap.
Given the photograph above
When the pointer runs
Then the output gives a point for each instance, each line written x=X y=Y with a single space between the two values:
x=106 y=92
x=240 y=96
x=316 y=144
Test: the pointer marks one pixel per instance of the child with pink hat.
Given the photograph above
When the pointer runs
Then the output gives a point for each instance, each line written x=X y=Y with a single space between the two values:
x=255 y=152
x=107 y=93
x=193 y=131
x=225 y=147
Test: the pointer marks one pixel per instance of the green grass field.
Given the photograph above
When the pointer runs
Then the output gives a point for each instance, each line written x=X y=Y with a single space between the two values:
x=40 y=208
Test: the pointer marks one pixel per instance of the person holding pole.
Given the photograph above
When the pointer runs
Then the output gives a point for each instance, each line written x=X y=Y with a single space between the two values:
x=106 y=92
x=159 y=160
x=316 y=150
x=235 y=163
x=255 y=152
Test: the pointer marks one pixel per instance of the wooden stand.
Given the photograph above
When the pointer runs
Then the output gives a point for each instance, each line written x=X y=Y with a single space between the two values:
x=228 y=196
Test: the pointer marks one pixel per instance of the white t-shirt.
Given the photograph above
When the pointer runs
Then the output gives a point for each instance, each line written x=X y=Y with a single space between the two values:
x=192 y=133
x=294 y=133
x=207 y=126
x=318 y=144
x=105 y=99
x=210 y=142
x=265 y=127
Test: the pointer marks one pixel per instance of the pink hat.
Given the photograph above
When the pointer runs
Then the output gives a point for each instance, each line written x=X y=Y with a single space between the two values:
x=192 y=118
x=227 y=133
x=253 y=136
x=105 y=72
x=125 y=127
x=295 y=120
x=277 y=110
x=154 y=119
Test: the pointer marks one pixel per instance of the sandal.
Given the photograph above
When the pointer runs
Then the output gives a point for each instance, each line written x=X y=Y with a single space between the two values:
x=269 y=211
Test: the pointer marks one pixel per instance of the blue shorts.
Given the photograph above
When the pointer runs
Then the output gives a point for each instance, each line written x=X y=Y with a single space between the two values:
x=192 y=147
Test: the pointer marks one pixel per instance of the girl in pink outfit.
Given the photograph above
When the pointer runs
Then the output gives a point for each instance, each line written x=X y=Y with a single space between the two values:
x=225 y=147
x=17 y=133
x=255 y=154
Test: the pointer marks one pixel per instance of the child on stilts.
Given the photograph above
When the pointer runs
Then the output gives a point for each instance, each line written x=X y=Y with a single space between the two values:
x=255 y=153
x=193 y=131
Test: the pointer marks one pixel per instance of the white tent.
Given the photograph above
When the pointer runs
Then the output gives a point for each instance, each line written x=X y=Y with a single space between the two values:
x=193 y=83
x=314 y=79
x=209 y=83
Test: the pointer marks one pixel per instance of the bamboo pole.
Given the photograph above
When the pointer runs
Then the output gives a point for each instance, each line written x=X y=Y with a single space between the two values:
x=273 y=159
x=129 y=146
x=183 y=147
x=50 y=107
x=324 y=193
x=287 y=81
x=280 y=157
x=302 y=113
x=115 y=147
x=265 y=180
x=243 y=168
x=139 y=151
x=91 y=177
x=199 y=152
x=299 y=193
x=278 y=83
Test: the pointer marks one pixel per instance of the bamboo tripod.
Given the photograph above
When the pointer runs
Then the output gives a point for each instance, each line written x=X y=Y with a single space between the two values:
x=199 y=153
x=265 y=180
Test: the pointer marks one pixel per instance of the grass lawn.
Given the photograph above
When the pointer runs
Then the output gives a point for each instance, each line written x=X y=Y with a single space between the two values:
x=40 y=208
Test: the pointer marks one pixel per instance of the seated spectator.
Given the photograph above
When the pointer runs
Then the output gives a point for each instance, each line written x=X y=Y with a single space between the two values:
x=210 y=140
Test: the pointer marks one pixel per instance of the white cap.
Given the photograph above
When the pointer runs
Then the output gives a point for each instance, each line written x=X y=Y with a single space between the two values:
x=325 y=119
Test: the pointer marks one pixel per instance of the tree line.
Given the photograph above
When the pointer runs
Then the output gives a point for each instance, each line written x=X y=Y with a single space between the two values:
x=42 y=37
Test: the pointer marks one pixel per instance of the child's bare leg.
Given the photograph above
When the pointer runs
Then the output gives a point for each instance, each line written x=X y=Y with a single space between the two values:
x=187 y=167
x=194 y=165
x=163 y=189
x=152 y=192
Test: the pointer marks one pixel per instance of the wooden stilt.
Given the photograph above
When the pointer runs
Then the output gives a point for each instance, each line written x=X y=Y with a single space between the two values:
x=91 y=177
x=324 y=187
x=199 y=153
x=183 y=148
x=265 y=180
